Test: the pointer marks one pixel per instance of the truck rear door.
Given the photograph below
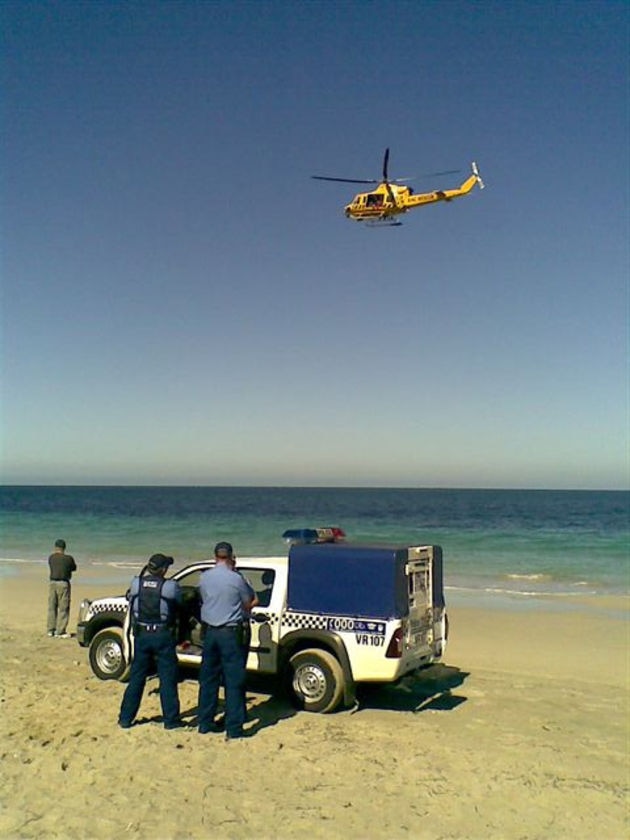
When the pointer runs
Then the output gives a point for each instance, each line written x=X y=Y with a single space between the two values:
x=418 y=570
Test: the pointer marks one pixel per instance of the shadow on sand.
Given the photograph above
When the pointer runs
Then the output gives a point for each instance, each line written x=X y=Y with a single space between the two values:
x=429 y=689
x=270 y=708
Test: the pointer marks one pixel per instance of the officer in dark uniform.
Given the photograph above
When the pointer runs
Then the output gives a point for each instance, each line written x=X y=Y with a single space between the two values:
x=153 y=602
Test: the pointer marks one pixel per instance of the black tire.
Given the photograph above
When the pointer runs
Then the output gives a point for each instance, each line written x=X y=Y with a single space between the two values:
x=316 y=680
x=107 y=658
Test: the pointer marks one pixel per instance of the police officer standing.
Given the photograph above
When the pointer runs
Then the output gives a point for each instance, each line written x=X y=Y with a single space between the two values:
x=226 y=599
x=153 y=602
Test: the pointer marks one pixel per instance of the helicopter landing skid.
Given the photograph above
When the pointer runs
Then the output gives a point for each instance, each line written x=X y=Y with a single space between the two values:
x=382 y=223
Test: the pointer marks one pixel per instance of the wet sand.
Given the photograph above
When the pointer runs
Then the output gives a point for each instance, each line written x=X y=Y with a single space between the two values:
x=521 y=733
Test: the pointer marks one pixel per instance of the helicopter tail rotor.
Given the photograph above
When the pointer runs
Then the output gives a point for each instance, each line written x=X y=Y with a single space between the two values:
x=475 y=171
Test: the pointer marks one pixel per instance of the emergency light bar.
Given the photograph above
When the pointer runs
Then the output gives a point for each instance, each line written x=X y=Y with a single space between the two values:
x=308 y=536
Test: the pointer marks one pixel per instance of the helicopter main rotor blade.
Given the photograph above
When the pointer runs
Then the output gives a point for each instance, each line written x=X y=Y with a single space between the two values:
x=345 y=180
x=385 y=162
x=425 y=175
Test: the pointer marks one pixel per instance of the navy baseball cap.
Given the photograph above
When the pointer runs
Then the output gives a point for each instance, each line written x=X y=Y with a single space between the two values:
x=159 y=561
x=223 y=549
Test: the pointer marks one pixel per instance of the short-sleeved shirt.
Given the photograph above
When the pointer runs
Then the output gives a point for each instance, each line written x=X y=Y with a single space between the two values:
x=171 y=591
x=223 y=593
x=61 y=566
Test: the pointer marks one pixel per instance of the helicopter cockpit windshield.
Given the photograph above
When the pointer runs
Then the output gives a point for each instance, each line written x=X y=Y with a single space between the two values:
x=375 y=199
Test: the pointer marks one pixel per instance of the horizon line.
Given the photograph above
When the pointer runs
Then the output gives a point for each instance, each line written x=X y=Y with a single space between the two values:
x=432 y=488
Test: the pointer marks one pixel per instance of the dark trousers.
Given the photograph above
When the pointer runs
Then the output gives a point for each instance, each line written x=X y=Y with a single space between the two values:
x=159 y=649
x=222 y=656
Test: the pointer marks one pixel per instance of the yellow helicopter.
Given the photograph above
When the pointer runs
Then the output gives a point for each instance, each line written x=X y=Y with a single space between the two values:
x=392 y=197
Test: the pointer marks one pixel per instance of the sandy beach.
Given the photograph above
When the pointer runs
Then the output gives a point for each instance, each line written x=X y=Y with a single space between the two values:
x=521 y=733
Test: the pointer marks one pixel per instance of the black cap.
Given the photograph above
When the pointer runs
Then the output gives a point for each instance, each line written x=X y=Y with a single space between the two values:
x=60 y=544
x=223 y=549
x=157 y=562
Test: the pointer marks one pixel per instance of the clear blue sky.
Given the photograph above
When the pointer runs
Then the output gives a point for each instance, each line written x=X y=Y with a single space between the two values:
x=183 y=304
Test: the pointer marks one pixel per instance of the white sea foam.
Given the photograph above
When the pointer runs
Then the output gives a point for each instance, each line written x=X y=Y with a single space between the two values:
x=529 y=593
x=119 y=564
x=21 y=560
x=519 y=593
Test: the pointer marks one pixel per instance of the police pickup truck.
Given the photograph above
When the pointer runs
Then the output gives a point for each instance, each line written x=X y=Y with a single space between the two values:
x=330 y=615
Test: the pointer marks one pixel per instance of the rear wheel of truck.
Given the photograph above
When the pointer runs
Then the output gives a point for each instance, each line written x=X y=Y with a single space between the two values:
x=106 y=655
x=317 y=680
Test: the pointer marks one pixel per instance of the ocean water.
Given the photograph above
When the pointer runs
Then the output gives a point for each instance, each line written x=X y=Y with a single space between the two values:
x=499 y=545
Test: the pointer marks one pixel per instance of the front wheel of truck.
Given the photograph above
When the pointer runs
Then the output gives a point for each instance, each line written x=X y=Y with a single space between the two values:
x=106 y=655
x=316 y=680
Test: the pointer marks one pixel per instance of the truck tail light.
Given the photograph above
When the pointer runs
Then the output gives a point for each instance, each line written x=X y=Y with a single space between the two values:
x=395 y=646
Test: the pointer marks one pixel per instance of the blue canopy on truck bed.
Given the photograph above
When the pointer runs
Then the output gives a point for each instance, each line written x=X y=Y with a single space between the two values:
x=354 y=580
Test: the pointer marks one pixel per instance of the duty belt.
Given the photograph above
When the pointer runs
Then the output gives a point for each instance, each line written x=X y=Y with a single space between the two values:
x=207 y=626
x=149 y=628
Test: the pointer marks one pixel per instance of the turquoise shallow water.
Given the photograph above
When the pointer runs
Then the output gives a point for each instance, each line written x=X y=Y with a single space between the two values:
x=498 y=544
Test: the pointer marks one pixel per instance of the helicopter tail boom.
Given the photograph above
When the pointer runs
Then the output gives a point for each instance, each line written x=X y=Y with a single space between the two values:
x=419 y=199
x=469 y=183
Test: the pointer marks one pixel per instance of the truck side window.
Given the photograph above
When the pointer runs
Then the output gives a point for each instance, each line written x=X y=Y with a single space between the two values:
x=191 y=579
x=262 y=583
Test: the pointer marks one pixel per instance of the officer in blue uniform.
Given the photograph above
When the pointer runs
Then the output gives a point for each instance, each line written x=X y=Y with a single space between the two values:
x=226 y=599
x=154 y=602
